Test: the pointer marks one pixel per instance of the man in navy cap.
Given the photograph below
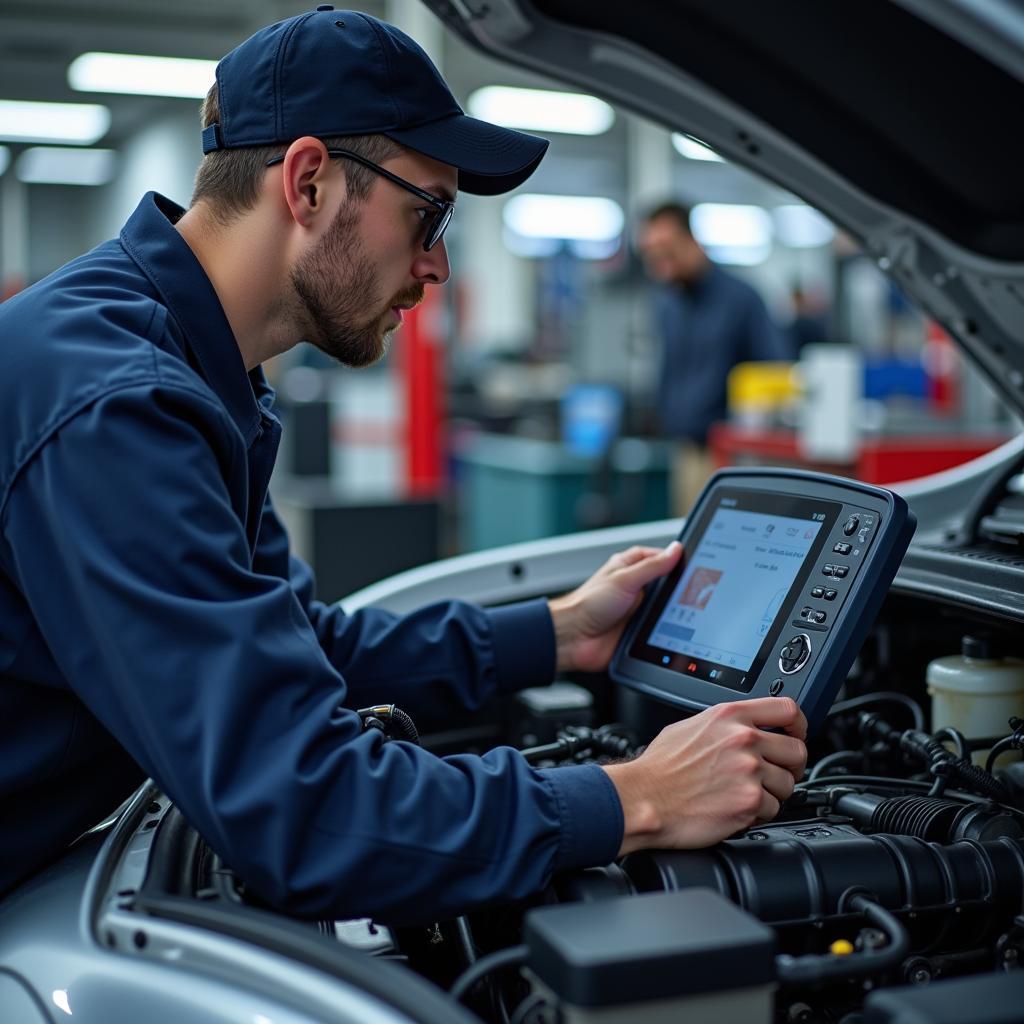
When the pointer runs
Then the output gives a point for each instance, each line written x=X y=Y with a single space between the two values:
x=152 y=620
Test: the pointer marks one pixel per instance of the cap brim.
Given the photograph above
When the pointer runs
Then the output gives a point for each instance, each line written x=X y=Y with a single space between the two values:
x=490 y=159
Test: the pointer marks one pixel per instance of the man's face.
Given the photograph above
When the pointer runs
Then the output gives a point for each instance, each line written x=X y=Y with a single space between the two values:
x=670 y=253
x=356 y=279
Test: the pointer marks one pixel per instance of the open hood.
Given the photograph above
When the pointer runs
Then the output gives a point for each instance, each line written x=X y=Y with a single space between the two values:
x=899 y=119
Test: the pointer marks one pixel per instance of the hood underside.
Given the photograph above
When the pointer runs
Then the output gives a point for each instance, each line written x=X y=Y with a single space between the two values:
x=900 y=121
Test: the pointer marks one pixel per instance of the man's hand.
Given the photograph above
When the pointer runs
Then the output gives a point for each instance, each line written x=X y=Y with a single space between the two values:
x=703 y=779
x=589 y=620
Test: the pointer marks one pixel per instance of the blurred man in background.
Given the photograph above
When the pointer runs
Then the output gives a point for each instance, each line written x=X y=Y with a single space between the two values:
x=707 y=322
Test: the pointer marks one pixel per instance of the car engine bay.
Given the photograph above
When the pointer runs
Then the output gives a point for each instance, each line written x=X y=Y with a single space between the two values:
x=895 y=870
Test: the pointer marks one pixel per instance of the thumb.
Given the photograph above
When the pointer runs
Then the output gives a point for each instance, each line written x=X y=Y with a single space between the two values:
x=651 y=568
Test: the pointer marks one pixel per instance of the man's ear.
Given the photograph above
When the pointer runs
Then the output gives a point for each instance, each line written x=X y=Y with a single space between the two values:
x=305 y=173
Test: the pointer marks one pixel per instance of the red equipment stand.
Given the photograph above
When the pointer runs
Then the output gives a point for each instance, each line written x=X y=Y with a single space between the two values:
x=882 y=460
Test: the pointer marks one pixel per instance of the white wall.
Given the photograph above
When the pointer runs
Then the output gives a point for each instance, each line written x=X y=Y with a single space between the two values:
x=162 y=156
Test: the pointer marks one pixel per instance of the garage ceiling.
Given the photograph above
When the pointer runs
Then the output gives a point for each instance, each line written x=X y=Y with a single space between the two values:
x=39 y=41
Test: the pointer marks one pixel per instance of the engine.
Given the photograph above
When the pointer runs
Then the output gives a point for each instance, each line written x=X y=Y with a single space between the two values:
x=893 y=877
x=890 y=888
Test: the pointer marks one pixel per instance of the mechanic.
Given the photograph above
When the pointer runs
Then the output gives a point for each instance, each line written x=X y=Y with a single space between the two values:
x=152 y=620
x=707 y=321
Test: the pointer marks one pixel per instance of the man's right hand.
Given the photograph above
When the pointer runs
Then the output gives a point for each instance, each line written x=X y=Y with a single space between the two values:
x=702 y=779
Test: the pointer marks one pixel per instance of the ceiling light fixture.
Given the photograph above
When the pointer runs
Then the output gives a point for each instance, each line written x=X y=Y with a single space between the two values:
x=75 y=124
x=733 y=232
x=57 y=165
x=570 y=218
x=693 y=149
x=139 y=75
x=801 y=227
x=542 y=110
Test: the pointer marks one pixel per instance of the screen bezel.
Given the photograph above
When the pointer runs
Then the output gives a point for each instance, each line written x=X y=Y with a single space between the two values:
x=802 y=507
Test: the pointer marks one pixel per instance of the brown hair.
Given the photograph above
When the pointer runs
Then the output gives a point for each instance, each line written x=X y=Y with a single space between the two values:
x=229 y=180
x=677 y=211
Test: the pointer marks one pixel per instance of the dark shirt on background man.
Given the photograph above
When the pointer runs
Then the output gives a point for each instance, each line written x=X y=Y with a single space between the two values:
x=706 y=327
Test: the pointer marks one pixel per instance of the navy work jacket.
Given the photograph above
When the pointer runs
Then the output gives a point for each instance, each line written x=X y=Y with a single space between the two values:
x=153 y=622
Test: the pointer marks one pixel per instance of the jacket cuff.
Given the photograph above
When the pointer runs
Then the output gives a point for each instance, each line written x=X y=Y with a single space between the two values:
x=590 y=813
x=524 y=645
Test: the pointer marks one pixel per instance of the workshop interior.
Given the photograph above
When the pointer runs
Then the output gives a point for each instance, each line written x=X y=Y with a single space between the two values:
x=856 y=541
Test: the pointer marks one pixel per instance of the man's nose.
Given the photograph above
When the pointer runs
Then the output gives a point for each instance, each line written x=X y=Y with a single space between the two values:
x=432 y=267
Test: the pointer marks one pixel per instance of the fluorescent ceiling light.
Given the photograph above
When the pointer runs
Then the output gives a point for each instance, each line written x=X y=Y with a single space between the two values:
x=573 y=218
x=542 y=110
x=5 y=158
x=55 y=165
x=733 y=232
x=739 y=255
x=801 y=227
x=688 y=146
x=77 y=124
x=530 y=248
x=140 y=75
x=546 y=248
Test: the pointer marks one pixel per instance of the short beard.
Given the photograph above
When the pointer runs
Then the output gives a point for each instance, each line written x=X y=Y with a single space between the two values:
x=336 y=284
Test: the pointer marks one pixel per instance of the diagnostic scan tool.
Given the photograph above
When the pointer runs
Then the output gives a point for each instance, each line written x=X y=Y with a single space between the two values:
x=781 y=576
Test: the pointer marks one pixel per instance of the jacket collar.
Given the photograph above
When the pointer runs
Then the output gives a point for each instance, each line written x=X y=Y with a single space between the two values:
x=150 y=238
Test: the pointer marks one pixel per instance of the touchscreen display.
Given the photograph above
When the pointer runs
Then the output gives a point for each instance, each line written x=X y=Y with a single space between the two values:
x=741 y=563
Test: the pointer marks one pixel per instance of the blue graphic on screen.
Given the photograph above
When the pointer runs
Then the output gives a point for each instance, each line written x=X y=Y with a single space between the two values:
x=733 y=586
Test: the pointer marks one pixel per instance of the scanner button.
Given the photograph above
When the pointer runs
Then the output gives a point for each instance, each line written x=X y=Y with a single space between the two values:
x=805 y=612
x=776 y=687
x=820 y=616
x=830 y=595
x=842 y=548
x=840 y=571
x=828 y=570
x=820 y=592
x=850 y=526
x=794 y=655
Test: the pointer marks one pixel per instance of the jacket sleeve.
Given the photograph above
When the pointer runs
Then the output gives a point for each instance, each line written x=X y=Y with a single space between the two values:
x=121 y=533
x=448 y=657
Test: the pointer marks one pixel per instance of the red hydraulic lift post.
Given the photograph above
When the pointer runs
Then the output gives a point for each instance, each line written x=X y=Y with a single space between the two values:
x=420 y=358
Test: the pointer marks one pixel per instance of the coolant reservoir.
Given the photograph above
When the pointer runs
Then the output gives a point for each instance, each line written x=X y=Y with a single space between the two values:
x=977 y=692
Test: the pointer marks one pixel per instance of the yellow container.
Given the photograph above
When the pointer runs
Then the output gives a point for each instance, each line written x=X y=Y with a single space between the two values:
x=758 y=392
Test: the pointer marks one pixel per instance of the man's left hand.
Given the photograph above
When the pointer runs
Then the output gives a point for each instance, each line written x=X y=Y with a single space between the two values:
x=589 y=620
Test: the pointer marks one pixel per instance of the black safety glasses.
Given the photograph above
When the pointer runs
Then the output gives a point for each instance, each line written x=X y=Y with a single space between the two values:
x=436 y=224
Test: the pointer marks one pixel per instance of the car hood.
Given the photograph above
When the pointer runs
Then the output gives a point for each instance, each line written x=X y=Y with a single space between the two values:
x=899 y=119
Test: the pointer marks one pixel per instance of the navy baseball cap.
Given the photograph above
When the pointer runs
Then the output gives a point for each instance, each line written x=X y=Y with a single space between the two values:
x=330 y=73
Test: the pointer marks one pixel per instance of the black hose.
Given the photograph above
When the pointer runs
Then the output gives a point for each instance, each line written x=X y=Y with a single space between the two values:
x=882 y=697
x=576 y=740
x=405 y=728
x=513 y=956
x=814 y=968
x=943 y=764
x=865 y=780
x=831 y=760
x=526 y=1007
x=561 y=749
x=465 y=933
x=956 y=737
x=1005 y=744
x=899 y=938
x=390 y=720
x=1015 y=741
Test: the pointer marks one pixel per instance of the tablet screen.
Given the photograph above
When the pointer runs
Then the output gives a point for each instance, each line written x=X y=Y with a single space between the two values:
x=720 y=609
